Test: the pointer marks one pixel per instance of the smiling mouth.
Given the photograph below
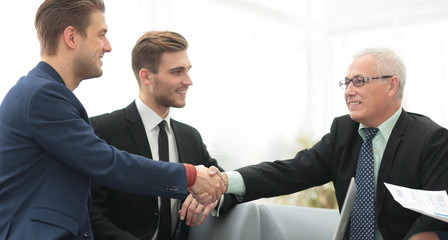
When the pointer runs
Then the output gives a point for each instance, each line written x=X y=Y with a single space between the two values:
x=354 y=103
x=182 y=92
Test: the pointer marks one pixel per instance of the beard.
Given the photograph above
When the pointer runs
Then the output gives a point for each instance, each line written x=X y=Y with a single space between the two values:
x=87 y=67
x=163 y=97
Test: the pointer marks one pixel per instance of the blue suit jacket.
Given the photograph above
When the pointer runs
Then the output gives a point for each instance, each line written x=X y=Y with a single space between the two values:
x=49 y=153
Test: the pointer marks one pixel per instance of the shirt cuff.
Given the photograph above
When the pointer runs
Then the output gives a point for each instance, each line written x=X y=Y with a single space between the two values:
x=215 y=212
x=236 y=183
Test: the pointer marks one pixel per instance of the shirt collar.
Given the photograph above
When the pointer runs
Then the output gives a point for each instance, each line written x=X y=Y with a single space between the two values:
x=151 y=119
x=386 y=127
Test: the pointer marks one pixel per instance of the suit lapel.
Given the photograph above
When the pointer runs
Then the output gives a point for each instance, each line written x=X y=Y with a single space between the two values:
x=388 y=158
x=137 y=130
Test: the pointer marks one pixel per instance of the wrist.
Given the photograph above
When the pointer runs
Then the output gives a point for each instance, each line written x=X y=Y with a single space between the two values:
x=225 y=180
x=191 y=173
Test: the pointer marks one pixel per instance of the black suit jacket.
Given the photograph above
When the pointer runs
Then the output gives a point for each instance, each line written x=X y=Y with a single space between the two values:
x=416 y=156
x=121 y=215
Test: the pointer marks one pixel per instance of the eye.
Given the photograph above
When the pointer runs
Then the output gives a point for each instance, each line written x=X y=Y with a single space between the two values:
x=359 y=80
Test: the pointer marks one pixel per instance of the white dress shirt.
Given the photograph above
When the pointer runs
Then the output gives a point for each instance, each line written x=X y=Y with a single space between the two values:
x=151 y=121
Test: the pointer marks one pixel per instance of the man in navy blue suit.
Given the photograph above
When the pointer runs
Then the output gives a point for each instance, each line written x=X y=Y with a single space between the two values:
x=48 y=151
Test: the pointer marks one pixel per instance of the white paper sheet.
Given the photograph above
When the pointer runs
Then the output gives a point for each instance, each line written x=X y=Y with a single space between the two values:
x=430 y=203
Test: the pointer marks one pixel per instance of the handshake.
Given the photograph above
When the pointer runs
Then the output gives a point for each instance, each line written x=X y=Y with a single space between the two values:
x=209 y=186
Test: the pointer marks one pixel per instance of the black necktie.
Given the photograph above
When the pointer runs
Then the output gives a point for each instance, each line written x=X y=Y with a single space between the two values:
x=165 y=208
x=362 y=222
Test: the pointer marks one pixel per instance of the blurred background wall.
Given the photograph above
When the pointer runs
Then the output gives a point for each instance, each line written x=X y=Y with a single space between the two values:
x=265 y=73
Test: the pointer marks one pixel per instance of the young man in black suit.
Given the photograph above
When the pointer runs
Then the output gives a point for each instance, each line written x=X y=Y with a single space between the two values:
x=409 y=150
x=161 y=67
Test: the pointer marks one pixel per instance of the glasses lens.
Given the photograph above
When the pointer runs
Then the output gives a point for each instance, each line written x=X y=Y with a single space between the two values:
x=344 y=83
x=359 y=81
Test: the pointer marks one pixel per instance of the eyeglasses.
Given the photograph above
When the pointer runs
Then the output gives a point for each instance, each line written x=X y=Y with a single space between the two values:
x=358 y=81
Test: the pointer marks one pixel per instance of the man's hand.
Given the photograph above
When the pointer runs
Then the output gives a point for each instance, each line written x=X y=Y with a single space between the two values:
x=208 y=186
x=191 y=209
x=212 y=171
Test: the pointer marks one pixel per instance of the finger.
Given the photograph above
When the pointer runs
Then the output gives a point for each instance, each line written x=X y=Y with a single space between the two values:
x=218 y=191
x=223 y=187
x=185 y=205
x=212 y=171
x=213 y=198
x=203 y=198
x=205 y=213
x=190 y=213
x=222 y=183
x=219 y=185
x=197 y=212
x=212 y=191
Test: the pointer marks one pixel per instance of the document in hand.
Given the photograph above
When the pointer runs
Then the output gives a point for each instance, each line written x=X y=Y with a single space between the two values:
x=430 y=203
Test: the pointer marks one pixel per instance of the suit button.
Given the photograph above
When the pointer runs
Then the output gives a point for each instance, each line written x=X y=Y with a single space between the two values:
x=87 y=234
x=171 y=188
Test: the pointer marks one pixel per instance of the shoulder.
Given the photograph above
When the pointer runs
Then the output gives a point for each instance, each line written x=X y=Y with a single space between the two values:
x=419 y=123
x=108 y=122
x=116 y=117
x=108 y=118
x=420 y=118
x=182 y=128
x=50 y=97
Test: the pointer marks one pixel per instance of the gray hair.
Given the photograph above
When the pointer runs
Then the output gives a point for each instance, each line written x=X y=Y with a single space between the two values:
x=387 y=63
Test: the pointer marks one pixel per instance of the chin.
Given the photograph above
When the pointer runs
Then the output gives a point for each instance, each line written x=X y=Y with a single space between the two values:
x=179 y=105
x=98 y=73
x=354 y=117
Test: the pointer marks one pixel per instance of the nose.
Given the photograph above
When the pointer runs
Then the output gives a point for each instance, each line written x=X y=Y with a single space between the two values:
x=187 y=80
x=349 y=89
x=107 y=46
x=350 y=86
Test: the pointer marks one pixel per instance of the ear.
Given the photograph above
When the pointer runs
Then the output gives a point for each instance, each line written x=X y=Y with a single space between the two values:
x=146 y=76
x=70 y=37
x=394 y=82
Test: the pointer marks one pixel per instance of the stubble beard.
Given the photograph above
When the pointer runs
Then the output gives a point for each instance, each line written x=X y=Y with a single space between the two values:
x=87 y=69
x=165 y=99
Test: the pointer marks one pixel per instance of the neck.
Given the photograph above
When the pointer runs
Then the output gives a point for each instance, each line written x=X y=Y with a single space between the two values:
x=64 y=69
x=388 y=114
x=161 y=110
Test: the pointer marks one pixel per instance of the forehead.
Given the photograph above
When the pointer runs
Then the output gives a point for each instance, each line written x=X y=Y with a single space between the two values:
x=175 y=59
x=97 y=22
x=364 y=65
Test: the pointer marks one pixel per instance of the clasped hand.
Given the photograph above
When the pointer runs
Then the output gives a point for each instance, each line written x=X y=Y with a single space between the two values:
x=209 y=186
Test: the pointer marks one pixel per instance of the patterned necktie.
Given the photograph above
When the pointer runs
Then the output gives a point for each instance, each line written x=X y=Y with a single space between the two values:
x=165 y=208
x=362 y=222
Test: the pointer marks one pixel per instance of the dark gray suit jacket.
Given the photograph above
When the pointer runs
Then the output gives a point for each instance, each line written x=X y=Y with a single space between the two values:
x=416 y=156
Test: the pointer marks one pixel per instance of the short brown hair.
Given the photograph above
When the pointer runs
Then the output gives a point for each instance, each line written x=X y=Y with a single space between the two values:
x=53 y=16
x=149 y=48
